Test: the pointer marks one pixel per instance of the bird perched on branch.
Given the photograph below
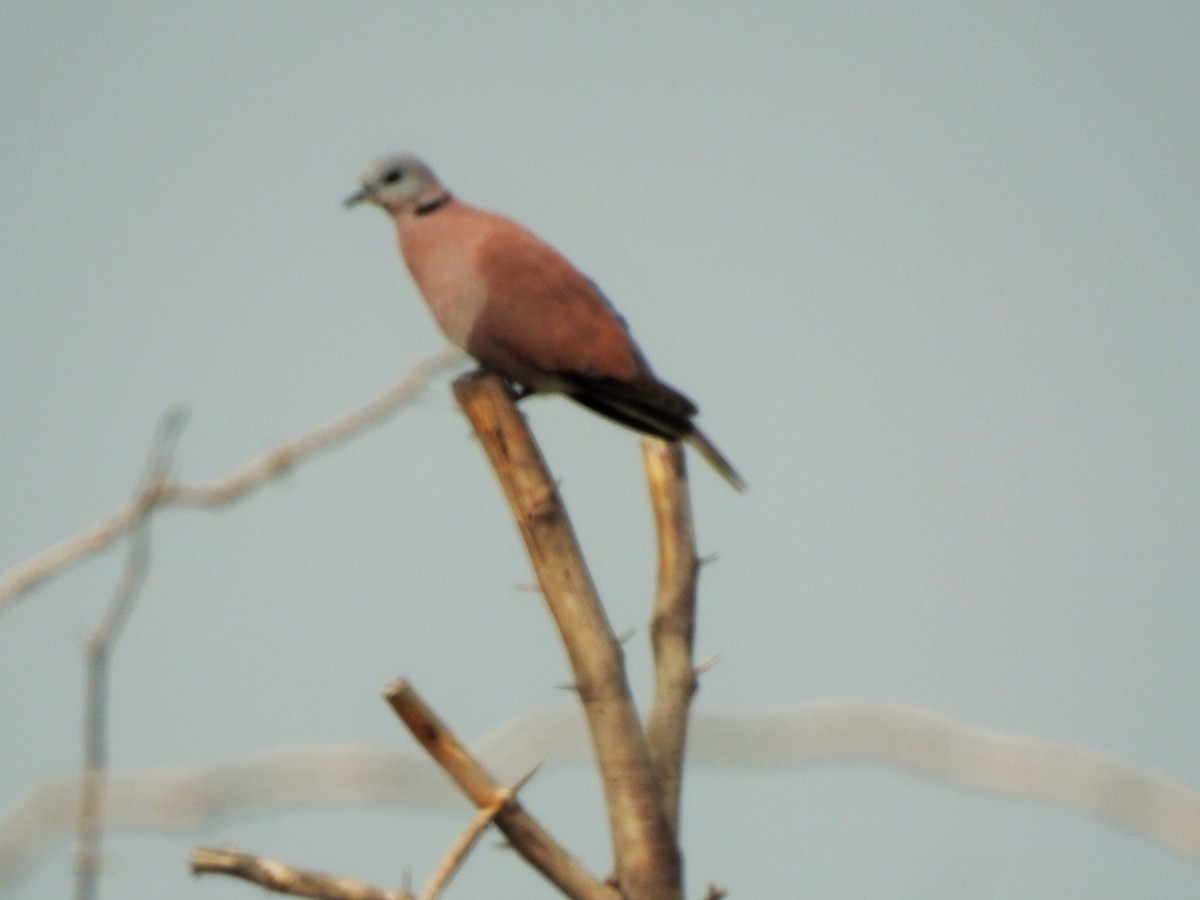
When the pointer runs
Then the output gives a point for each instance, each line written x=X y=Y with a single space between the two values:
x=522 y=310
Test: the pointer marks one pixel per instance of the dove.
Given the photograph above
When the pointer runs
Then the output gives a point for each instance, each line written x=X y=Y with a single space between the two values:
x=522 y=310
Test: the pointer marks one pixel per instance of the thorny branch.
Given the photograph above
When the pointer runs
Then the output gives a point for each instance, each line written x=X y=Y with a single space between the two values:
x=457 y=854
x=524 y=832
x=648 y=862
x=674 y=625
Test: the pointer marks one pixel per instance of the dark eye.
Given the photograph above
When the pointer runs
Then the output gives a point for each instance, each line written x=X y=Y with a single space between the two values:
x=391 y=176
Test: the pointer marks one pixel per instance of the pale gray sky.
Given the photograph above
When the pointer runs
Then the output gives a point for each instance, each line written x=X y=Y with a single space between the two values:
x=930 y=273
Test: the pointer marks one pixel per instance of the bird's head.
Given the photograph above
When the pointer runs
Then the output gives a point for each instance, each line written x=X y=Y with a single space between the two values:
x=400 y=182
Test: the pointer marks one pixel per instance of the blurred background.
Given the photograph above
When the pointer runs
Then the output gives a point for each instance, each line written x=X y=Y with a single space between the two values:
x=929 y=272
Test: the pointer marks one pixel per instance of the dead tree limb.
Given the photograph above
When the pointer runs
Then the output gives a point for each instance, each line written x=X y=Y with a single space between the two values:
x=910 y=739
x=98 y=654
x=457 y=854
x=647 y=858
x=277 y=876
x=252 y=474
x=527 y=837
x=673 y=628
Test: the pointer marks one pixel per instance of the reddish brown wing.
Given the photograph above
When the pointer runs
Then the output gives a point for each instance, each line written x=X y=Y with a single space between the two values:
x=542 y=315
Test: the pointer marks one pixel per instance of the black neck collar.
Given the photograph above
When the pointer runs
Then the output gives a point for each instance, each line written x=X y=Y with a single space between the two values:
x=433 y=204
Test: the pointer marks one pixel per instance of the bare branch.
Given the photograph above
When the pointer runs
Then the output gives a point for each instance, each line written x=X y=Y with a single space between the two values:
x=277 y=876
x=528 y=837
x=26 y=575
x=948 y=750
x=99 y=651
x=454 y=858
x=673 y=629
x=1159 y=808
x=647 y=858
